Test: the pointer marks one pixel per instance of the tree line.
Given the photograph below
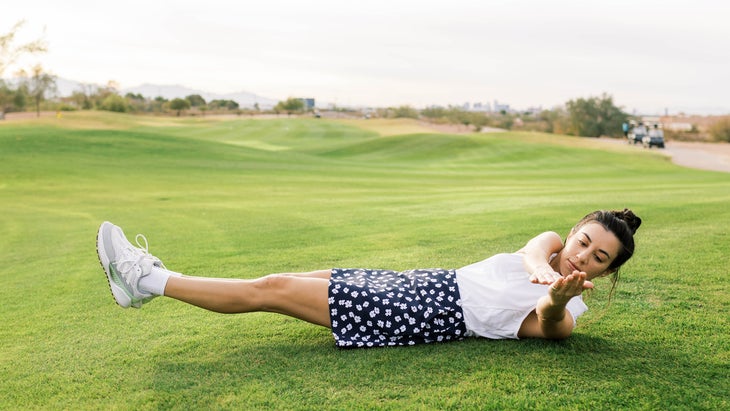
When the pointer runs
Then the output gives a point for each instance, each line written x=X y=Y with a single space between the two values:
x=589 y=117
x=108 y=98
x=32 y=91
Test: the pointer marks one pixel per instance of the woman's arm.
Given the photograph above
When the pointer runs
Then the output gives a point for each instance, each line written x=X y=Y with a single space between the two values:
x=551 y=319
x=553 y=323
x=537 y=254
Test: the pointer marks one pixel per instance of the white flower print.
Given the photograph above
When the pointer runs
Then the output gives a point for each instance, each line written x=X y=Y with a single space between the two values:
x=394 y=308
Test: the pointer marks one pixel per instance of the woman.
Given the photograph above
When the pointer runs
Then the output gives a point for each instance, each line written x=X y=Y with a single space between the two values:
x=535 y=292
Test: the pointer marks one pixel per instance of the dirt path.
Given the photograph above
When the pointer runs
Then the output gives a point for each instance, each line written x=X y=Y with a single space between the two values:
x=704 y=156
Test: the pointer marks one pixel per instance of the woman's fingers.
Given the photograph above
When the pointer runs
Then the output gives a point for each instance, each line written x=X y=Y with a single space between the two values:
x=570 y=286
x=576 y=281
x=581 y=280
x=544 y=276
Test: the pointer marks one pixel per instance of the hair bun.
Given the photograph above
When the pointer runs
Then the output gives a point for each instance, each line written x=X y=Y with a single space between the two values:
x=631 y=219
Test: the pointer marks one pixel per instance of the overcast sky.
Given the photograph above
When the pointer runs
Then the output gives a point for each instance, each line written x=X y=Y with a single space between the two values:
x=649 y=55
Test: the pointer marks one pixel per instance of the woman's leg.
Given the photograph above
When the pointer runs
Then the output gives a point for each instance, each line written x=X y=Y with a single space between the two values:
x=300 y=295
x=135 y=277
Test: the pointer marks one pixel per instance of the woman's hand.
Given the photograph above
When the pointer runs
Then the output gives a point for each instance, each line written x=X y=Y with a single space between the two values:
x=544 y=274
x=565 y=288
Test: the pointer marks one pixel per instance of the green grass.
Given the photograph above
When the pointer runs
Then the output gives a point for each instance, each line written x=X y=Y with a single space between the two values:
x=243 y=198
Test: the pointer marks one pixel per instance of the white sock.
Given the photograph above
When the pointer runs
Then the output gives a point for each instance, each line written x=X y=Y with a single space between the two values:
x=156 y=280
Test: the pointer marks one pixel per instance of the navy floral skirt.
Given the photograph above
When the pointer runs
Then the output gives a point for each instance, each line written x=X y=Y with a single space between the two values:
x=376 y=308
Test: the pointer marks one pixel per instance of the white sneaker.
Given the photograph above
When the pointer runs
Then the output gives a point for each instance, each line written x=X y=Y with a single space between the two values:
x=124 y=264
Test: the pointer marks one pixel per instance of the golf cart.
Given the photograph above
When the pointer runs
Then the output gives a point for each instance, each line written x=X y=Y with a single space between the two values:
x=636 y=134
x=654 y=138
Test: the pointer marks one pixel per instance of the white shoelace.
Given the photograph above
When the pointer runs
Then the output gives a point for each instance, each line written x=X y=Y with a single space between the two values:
x=134 y=257
x=145 y=249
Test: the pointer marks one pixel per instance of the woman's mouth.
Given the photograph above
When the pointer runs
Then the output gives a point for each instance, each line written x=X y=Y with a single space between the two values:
x=572 y=267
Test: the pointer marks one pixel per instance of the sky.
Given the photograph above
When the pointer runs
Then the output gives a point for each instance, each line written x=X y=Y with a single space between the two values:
x=650 y=56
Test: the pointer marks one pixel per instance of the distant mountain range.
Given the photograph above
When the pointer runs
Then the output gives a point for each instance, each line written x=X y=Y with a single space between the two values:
x=244 y=99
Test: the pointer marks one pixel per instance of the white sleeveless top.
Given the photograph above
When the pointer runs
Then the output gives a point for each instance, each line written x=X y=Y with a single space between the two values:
x=497 y=296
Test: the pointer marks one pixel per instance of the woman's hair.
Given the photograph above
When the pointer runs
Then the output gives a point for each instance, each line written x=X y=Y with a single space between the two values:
x=623 y=224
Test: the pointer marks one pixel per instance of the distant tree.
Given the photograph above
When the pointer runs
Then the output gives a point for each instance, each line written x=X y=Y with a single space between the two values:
x=179 y=104
x=196 y=100
x=6 y=97
x=223 y=104
x=720 y=130
x=21 y=97
x=157 y=104
x=132 y=96
x=478 y=120
x=595 y=117
x=291 y=105
x=454 y=115
x=99 y=96
x=549 y=117
x=461 y=117
x=136 y=102
x=38 y=84
x=434 y=112
x=116 y=103
x=41 y=83
x=505 y=120
x=10 y=53
x=80 y=99
x=405 y=112
x=557 y=120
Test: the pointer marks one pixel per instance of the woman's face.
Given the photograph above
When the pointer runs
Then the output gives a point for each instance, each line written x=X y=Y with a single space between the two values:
x=591 y=248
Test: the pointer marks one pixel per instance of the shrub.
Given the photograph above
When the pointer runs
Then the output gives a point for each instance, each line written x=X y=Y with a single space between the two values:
x=720 y=131
x=405 y=112
x=179 y=104
x=595 y=116
x=116 y=103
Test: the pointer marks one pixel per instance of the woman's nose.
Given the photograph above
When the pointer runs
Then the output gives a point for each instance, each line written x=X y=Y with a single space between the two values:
x=582 y=256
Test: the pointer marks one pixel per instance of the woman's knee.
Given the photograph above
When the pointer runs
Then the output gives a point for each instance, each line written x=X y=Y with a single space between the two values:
x=292 y=295
x=271 y=282
x=270 y=289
